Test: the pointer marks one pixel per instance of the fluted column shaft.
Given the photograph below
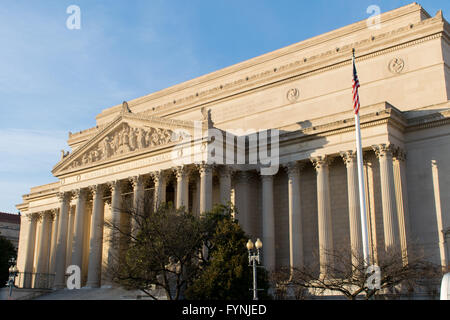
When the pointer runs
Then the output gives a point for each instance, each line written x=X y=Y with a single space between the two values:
x=43 y=246
x=402 y=201
x=29 y=259
x=242 y=194
x=53 y=241
x=225 y=185
x=324 y=213
x=116 y=207
x=439 y=216
x=354 y=214
x=138 y=193
x=61 y=245
x=78 y=243
x=295 y=216
x=268 y=222
x=138 y=202
x=182 y=176
x=370 y=194
x=160 y=188
x=70 y=230
x=205 y=188
x=96 y=238
x=384 y=154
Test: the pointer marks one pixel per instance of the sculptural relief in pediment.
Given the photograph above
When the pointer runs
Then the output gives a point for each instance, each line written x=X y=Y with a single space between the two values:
x=123 y=140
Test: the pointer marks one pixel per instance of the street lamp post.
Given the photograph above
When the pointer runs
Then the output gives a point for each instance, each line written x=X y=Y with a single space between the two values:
x=253 y=258
x=13 y=271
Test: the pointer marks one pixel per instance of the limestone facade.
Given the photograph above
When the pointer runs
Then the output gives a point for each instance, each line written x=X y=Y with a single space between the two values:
x=161 y=146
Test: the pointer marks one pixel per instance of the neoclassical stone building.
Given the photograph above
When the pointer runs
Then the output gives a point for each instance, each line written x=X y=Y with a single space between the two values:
x=292 y=107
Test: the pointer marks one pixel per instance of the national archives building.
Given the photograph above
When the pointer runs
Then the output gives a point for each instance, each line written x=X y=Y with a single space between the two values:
x=275 y=136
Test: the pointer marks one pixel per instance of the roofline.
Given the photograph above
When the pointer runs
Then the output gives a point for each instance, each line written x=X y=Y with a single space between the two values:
x=310 y=42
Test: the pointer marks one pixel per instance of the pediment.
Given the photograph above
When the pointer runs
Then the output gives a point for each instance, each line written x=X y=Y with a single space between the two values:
x=128 y=134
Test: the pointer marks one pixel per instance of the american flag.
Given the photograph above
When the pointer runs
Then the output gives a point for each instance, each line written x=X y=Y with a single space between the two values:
x=356 y=104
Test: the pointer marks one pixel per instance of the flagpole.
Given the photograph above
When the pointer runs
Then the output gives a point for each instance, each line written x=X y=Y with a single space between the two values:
x=362 y=193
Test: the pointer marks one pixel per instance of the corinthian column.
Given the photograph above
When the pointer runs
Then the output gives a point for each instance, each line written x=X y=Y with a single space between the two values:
x=384 y=154
x=350 y=162
x=138 y=202
x=205 y=187
x=43 y=249
x=29 y=258
x=268 y=222
x=159 y=181
x=241 y=199
x=80 y=211
x=324 y=213
x=113 y=234
x=61 y=246
x=55 y=225
x=295 y=215
x=402 y=201
x=182 y=175
x=96 y=237
x=225 y=185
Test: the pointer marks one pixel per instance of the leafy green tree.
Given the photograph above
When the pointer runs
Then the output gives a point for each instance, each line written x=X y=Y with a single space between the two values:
x=226 y=274
x=7 y=251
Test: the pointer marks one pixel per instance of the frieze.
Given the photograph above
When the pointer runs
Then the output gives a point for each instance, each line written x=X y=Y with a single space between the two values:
x=117 y=169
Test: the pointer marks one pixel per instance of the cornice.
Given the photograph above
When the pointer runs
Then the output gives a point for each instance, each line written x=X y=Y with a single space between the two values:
x=389 y=115
x=35 y=196
x=429 y=121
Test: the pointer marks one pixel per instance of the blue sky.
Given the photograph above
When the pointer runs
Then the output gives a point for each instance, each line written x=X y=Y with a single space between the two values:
x=54 y=80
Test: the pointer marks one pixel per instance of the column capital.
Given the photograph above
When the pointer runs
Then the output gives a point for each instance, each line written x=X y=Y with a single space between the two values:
x=225 y=171
x=383 y=150
x=399 y=154
x=156 y=176
x=64 y=196
x=48 y=214
x=34 y=216
x=54 y=213
x=293 y=167
x=95 y=189
x=320 y=162
x=349 y=157
x=367 y=162
x=113 y=185
x=79 y=193
x=136 y=181
x=205 y=168
x=181 y=171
